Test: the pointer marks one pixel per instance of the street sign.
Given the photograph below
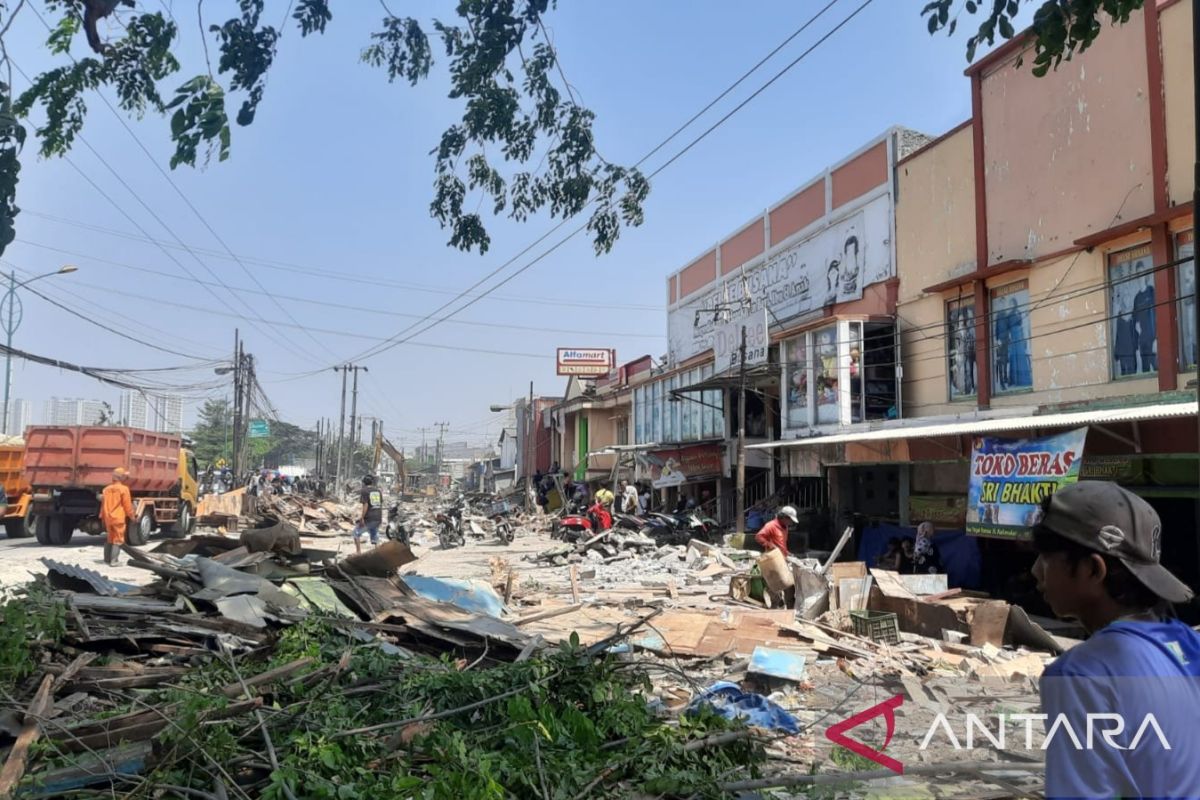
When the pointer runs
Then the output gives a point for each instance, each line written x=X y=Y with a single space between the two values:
x=727 y=341
x=259 y=429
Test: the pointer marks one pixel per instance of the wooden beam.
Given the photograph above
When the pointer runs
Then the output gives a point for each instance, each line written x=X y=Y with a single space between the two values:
x=14 y=767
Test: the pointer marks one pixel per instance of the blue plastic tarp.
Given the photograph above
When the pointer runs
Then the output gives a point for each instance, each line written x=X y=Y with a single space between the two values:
x=474 y=596
x=959 y=552
x=732 y=703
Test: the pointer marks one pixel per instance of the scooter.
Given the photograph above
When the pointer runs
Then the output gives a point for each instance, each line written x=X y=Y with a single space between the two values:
x=450 y=532
x=395 y=530
x=498 y=512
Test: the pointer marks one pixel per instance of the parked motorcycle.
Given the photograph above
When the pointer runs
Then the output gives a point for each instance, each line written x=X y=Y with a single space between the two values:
x=395 y=529
x=498 y=513
x=450 y=527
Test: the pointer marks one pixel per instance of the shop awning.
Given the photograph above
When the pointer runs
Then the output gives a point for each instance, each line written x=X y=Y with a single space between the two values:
x=1068 y=419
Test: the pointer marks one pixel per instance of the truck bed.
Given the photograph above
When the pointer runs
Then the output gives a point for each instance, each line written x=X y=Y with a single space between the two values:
x=84 y=456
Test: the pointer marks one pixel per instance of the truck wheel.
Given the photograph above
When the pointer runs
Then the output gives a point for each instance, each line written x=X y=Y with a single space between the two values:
x=20 y=527
x=139 y=533
x=184 y=522
x=55 y=530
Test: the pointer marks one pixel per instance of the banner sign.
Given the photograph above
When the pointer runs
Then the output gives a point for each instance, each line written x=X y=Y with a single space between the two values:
x=579 y=361
x=1011 y=477
x=829 y=266
x=943 y=510
x=676 y=467
x=727 y=342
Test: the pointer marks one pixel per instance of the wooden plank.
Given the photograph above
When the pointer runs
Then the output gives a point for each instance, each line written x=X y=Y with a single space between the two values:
x=14 y=767
x=279 y=673
x=79 y=662
x=575 y=584
x=554 y=612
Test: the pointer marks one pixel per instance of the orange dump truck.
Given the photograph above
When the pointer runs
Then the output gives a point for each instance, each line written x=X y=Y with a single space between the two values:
x=68 y=466
x=18 y=522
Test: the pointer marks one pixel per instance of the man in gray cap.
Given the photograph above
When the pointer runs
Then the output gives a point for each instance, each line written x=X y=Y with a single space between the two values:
x=1098 y=562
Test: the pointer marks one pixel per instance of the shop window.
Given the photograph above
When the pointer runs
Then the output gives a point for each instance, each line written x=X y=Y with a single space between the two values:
x=1133 y=337
x=825 y=363
x=960 y=347
x=1185 y=248
x=623 y=430
x=880 y=396
x=796 y=378
x=1012 y=368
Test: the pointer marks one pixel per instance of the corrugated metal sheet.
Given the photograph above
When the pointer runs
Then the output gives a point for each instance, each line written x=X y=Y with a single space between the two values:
x=101 y=584
x=998 y=425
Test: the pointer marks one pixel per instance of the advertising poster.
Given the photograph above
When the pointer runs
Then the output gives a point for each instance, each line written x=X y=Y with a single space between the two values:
x=676 y=467
x=1010 y=477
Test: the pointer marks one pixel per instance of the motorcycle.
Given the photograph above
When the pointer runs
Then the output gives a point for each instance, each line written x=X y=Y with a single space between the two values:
x=498 y=514
x=395 y=530
x=576 y=526
x=450 y=530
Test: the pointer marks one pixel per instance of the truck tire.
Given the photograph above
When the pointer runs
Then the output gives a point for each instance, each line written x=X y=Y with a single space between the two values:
x=184 y=522
x=55 y=530
x=138 y=533
x=20 y=527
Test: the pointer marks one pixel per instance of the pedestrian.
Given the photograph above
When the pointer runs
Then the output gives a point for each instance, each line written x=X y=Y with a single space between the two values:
x=630 y=504
x=116 y=509
x=1099 y=548
x=370 y=513
x=605 y=497
x=644 y=498
x=580 y=496
x=774 y=535
x=926 y=559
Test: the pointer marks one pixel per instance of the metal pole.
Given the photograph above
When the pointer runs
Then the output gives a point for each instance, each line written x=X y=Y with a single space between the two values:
x=10 y=327
x=237 y=407
x=528 y=460
x=337 y=480
x=353 y=422
x=740 y=505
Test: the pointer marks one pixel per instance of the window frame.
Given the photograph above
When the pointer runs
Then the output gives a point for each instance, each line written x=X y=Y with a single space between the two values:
x=958 y=304
x=993 y=296
x=1185 y=238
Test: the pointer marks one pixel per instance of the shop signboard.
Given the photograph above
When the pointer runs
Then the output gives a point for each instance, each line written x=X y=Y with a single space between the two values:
x=948 y=511
x=1010 y=478
x=679 y=466
x=727 y=342
x=828 y=266
x=585 y=362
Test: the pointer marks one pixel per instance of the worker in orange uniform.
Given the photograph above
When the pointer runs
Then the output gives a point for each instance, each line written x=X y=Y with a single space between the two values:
x=773 y=535
x=116 y=509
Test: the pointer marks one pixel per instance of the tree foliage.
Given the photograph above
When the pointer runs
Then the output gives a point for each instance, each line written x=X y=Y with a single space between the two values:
x=523 y=143
x=1060 y=28
x=211 y=436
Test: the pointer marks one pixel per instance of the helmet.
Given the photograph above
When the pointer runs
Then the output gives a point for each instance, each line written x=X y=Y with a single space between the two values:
x=368 y=480
x=790 y=513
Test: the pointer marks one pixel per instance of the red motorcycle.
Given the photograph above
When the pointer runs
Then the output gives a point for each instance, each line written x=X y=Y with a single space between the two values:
x=576 y=526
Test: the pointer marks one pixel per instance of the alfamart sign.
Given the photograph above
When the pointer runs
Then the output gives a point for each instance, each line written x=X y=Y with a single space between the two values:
x=829 y=266
x=585 y=362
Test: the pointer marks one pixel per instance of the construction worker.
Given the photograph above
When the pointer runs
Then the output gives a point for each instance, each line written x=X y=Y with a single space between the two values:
x=116 y=509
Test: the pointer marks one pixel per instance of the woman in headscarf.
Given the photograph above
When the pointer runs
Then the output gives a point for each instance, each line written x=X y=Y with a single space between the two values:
x=925 y=557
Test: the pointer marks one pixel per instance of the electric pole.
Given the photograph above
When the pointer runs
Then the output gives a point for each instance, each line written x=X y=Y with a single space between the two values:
x=529 y=459
x=238 y=389
x=337 y=472
x=441 y=426
x=354 y=420
x=740 y=506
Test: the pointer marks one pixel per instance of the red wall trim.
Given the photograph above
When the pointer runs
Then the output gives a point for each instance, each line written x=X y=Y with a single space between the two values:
x=983 y=381
x=1165 y=315
x=1158 y=107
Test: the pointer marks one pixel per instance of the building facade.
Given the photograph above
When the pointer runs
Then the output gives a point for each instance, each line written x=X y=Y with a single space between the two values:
x=163 y=413
x=20 y=417
x=73 y=411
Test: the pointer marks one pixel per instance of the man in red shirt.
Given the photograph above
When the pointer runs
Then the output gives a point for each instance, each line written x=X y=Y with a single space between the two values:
x=773 y=535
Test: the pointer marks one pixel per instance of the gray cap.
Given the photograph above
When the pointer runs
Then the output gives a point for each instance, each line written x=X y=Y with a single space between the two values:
x=1111 y=520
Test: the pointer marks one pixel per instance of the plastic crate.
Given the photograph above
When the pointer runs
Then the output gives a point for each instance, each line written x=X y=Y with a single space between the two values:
x=878 y=626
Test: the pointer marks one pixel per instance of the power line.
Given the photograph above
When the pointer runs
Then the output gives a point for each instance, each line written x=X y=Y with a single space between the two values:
x=329 y=304
x=398 y=338
x=300 y=269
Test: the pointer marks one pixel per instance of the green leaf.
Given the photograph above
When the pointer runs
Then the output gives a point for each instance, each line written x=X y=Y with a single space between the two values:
x=1006 y=28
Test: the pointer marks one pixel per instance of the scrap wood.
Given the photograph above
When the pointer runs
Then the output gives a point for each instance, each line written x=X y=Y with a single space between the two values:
x=14 y=766
x=554 y=612
x=79 y=662
x=286 y=671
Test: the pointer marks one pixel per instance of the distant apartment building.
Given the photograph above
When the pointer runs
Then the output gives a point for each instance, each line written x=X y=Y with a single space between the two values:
x=20 y=416
x=73 y=411
x=153 y=412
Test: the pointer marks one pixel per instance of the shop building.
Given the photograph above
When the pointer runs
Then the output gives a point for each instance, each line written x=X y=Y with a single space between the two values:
x=1044 y=263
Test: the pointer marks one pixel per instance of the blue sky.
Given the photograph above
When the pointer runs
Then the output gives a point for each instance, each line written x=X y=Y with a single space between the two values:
x=325 y=199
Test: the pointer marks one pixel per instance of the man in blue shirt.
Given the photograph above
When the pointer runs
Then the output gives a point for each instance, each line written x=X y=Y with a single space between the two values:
x=1121 y=708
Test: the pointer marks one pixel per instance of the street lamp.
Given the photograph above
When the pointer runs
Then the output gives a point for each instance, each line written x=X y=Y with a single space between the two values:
x=11 y=312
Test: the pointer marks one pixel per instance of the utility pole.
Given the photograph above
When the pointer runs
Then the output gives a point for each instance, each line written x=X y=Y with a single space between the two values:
x=354 y=420
x=741 y=444
x=249 y=381
x=337 y=481
x=237 y=406
x=320 y=442
x=528 y=459
x=441 y=426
